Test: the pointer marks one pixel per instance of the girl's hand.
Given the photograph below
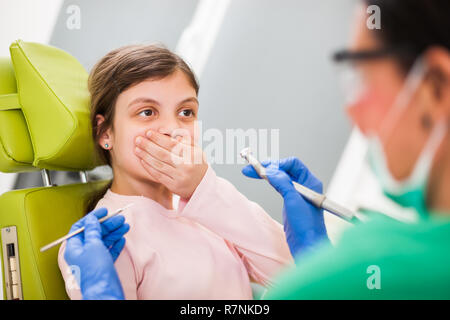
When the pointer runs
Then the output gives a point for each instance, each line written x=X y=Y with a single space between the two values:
x=176 y=163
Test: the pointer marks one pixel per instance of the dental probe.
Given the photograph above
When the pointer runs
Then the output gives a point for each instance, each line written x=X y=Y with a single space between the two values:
x=70 y=235
x=317 y=199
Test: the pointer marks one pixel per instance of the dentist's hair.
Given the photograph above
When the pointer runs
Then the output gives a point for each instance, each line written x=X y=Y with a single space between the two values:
x=121 y=69
x=415 y=25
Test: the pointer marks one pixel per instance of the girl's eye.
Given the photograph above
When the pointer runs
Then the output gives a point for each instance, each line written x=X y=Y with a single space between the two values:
x=146 y=113
x=187 y=113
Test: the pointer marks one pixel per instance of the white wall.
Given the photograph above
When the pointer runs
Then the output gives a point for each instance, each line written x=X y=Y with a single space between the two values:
x=29 y=20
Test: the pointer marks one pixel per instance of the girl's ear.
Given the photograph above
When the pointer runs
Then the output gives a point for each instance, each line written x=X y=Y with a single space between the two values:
x=105 y=139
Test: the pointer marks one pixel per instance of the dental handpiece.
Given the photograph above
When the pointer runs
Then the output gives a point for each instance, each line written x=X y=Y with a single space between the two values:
x=317 y=199
x=70 y=235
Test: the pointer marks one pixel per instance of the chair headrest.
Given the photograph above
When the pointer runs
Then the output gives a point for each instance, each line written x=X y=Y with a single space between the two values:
x=53 y=96
x=16 y=151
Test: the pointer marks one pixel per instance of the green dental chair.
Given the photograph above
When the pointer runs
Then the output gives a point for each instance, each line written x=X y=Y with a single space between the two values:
x=44 y=125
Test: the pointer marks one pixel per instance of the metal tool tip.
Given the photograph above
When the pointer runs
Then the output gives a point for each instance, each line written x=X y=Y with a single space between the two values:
x=245 y=152
x=126 y=207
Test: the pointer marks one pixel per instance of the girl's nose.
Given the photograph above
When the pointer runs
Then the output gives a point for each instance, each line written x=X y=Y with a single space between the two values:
x=168 y=126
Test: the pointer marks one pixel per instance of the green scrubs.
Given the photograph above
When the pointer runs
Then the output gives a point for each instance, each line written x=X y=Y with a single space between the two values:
x=382 y=259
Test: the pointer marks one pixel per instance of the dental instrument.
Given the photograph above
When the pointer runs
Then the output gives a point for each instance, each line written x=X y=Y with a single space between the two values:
x=317 y=199
x=70 y=235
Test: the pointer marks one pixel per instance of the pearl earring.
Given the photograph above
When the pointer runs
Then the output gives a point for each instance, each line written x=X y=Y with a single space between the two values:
x=106 y=146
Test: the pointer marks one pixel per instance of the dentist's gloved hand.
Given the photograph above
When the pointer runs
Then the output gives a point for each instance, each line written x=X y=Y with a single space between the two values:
x=303 y=222
x=113 y=231
x=88 y=252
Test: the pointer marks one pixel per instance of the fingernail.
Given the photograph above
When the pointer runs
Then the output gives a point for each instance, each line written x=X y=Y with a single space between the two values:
x=137 y=150
x=138 y=140
x=149 y=133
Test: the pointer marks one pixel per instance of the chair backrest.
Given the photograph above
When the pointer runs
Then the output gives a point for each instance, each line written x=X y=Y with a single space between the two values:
x=44 y=124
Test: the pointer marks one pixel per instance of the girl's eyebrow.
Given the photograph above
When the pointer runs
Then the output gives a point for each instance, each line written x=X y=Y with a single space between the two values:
x=150 y=100
x=143 y=99
x=191 y=99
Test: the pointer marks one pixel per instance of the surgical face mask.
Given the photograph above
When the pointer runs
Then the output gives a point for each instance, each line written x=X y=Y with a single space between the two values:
x=410 y=192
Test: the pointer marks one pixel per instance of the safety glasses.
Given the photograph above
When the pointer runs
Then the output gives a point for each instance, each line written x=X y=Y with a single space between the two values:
x=351 y=80
x=401 y=52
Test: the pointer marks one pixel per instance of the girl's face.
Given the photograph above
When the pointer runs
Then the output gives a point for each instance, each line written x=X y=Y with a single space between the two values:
x=167 y=105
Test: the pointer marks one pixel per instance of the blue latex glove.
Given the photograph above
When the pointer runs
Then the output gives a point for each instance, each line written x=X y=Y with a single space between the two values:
x=113 y=230
x=88 y=253
x=303 y=222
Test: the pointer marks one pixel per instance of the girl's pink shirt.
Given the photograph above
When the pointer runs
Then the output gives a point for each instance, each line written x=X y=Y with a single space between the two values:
x=211 y=247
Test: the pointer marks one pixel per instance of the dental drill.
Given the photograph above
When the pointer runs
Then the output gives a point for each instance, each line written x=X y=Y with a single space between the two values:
x=317 y=199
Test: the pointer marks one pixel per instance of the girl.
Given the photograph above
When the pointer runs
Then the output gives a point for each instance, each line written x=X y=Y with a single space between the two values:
x=216 y=241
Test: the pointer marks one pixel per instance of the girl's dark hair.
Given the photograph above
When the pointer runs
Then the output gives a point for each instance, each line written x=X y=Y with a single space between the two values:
x=415 y=25
x=119 y=70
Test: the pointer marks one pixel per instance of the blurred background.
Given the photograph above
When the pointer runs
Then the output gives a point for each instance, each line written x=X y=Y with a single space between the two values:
x=262 y=64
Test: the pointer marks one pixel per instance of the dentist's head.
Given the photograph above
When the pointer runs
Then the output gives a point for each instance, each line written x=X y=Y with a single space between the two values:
x=401 y=96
